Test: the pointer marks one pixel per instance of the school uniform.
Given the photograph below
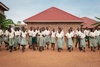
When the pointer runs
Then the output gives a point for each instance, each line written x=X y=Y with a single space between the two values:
x=1 y=33
x=23 y=38
x=69 y=40
x=59 y=40
x=19 y=36
x=62 y=32
x=82 y=40
x=47 y=36
x=30 y=32
x=87 y=34
x=16 y=39
x=34 y=38
x=6 y=34
x=40 y=38
x=53 y=35
x=77 y=36
x=44 y=38
x=11 y=38
x=38 y=31
x=93 y=41
x=41 y=41
x=96 y=32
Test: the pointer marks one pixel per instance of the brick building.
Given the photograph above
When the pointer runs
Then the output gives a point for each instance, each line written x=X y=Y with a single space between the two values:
x=88 y=22
x=54 y=17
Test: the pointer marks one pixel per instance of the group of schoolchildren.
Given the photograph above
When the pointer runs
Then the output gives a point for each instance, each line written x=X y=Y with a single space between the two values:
x=41 y=38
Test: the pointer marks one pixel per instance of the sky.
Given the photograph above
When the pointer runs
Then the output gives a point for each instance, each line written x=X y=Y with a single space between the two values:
x=23 y=9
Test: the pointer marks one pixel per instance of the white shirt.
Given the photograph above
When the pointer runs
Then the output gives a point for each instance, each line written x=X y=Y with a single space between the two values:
x=37 y=31
x=12 y=29
x=30 y=32
x=53 y=34
x=34 y=34
x=59 y=35
x=23 y=34
x=16 y=33
x=11 y=34
x=77 y=32
x=96 y=33
x=6 y=33
x=1 y=32
x=92 y=34
x=40 y=34
x=72 y=33
x=86 y=32
x=47 y=32
x=69 y=35
x=82 y=35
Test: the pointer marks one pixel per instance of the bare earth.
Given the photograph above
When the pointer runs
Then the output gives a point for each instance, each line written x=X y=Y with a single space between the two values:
x=49 y=58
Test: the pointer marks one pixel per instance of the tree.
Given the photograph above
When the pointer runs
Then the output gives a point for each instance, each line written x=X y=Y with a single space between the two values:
x=19 y=22
x=4 y=23
x=97 y=24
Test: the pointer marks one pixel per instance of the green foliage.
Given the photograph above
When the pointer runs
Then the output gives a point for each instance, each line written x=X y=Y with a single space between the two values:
x=4 y=23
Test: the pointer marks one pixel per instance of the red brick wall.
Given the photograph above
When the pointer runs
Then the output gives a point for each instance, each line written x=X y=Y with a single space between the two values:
x=55 y=25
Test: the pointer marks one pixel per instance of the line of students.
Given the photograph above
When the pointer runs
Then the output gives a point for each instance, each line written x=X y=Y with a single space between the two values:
x=43 y=37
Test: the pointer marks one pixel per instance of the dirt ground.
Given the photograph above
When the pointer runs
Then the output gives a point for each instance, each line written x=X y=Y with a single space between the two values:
x=49 y=58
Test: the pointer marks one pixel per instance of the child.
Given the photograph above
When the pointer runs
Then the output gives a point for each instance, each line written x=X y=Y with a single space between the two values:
x=34 y=40
x=6 y=39
x=30 y=33
x=23 y=39
x=37 y=31
x=82 y=40
x=16 y=35
x=86 y=31
x=53 y=41
x=97 y=37
x=19 y=37
x=69 y=40
x=1 y=35
x=40 y=34
x=78 y=38
x=93 y=42
x=47 y=37
x=60 y=41
x=11 y=39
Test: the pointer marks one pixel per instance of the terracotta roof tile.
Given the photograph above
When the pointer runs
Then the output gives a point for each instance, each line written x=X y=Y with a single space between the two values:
x=53 y=14
x=88 y=22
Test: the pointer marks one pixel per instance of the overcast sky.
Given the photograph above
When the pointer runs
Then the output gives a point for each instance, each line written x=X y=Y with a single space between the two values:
x=22 y=9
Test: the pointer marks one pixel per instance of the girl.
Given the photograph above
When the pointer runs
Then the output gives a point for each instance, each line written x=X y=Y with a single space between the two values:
x=40 y=34
x=37 y=31
x=78 y=38
x=82 y=40
x=34 y=40
x=69 y=40
x=11 y=39
x=30 y=33
x=23 y=39
x=16 y=35
x=19 y=37
x=6 y=39
x=53 y=41
x=93 y=41
x=1 y=35
x=59 y=36
x=47 y=37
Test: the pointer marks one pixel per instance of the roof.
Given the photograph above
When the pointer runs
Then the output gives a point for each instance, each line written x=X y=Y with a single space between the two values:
x=88 y=22
x=4 y=6
x=53 y=14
